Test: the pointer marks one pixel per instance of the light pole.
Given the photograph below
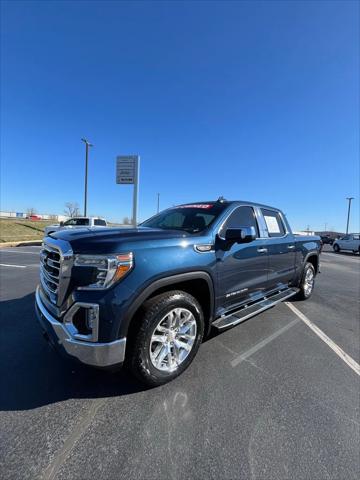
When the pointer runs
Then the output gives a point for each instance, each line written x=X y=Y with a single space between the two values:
x=158 y=202
x=348 y=215
x=87 y=145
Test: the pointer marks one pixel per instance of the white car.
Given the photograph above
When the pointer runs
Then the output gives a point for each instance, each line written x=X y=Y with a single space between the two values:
x=348 y=242
x=76 y=222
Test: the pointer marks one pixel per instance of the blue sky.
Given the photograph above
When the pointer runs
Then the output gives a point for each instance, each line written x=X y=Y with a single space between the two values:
x=249 y=100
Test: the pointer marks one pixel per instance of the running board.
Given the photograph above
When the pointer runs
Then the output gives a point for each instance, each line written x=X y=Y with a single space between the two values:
x=248 y=311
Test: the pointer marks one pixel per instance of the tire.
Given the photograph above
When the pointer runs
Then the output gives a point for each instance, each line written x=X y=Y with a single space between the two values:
x=336 y=248
x=306 y=289
x=155 y=362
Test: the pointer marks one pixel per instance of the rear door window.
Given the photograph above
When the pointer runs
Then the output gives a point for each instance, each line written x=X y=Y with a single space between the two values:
x=273 y=222
x=99 y=222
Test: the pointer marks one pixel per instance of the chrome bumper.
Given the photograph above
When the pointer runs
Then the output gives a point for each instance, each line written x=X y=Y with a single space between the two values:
x=90 y=353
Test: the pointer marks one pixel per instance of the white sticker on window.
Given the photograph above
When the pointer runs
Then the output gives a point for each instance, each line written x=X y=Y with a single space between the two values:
x=272 y=224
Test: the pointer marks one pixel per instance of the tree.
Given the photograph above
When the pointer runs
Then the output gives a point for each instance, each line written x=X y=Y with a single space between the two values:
x=126 y=221
x=72 y=209
x=30 y=211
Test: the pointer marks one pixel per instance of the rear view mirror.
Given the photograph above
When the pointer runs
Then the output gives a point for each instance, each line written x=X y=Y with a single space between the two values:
x=240 y=235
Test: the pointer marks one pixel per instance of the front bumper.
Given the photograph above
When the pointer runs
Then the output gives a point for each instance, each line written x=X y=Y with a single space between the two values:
x=90 y=353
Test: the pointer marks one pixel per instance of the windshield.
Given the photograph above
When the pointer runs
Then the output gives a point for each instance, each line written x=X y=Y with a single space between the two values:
x=190 y=218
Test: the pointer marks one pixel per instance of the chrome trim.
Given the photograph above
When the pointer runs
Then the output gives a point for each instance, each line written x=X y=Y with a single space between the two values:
x=95 y=354
x=265 y=303
x=204 y=248
x=68 y=321
x=65 y=262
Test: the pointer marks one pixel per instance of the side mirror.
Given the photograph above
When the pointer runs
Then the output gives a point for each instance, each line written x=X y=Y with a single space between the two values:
x=240 y=235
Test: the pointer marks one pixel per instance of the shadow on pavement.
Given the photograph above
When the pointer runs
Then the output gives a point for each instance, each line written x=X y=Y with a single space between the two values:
x=33 y=374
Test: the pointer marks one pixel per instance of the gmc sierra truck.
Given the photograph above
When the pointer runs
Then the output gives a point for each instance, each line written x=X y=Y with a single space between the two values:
x=148 y=296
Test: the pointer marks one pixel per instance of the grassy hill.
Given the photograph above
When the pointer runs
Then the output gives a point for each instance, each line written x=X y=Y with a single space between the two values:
x=14 y=229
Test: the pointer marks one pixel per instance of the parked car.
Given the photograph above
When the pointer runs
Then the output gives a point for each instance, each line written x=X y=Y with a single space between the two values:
x=348 y=242
x=148 y=296
x=75 y=222
x=326 y=240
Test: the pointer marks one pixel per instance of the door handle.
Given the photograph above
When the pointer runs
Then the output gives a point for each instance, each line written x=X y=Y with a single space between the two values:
x=262 y=250
x=290 y=247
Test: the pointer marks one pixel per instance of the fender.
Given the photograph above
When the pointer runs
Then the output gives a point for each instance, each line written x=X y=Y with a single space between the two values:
x=300 y=269
x=166 y=282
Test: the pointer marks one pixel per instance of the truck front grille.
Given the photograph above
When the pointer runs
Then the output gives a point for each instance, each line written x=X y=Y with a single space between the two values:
x=55 y=269
x=50 y=266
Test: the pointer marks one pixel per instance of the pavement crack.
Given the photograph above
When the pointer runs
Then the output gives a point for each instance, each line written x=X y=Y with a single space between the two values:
x=51 y=470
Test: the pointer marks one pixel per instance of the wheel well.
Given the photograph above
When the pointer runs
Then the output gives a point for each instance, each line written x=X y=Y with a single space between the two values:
x=314 y=260
x=198 y=288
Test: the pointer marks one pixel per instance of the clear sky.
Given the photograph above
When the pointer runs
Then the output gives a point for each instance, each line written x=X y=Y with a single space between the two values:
x=250 y=100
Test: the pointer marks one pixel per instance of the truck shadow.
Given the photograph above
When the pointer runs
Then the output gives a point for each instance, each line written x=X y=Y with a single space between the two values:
x=33 y=374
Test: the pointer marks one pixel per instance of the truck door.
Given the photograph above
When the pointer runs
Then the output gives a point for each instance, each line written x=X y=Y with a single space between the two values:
x=242 y=269
x=281 y=249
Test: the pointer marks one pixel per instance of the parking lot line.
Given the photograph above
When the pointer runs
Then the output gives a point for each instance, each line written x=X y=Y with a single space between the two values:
x=243 y=356
x=18 y=251
x=15 y=266
x=339 y=351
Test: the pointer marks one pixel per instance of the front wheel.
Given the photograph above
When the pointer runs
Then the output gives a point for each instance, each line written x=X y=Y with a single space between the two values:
x=307 y=282
x=336 y=248
x=168 y=337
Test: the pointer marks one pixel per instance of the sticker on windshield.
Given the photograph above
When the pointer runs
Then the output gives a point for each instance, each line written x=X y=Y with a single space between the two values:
x=272 y=224
x=200 y=205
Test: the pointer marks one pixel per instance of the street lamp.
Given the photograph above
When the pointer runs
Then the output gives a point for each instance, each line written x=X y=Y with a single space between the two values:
x=348 y=215
x=87 y=145
x=158 y=202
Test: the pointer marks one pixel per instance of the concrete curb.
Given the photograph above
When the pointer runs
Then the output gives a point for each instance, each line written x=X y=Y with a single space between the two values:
x=23 y=243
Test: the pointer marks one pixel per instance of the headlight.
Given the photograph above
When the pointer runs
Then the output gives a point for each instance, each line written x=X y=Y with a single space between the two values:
x=109 y=269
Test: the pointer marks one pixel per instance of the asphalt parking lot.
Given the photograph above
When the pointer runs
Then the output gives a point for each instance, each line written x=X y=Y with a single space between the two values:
x=268 y=399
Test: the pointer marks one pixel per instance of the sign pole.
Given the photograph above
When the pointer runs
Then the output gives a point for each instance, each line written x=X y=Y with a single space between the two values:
x=136 y=193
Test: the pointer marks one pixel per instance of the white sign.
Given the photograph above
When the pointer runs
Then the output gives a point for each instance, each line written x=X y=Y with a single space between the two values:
x=272 y=224
x=127 y=169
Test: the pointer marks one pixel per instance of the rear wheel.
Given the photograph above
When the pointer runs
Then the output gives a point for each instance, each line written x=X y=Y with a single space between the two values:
x=170 y=333
x=307 y=282
x=336 y=248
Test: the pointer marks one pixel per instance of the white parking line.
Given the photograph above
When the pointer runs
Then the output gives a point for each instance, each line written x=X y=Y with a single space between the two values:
x=18 y=251
x=243 y=356
x=15 y=266
x=339 y=351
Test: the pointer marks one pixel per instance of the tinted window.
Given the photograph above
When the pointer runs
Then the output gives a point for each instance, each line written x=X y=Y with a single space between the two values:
x=347 y=237
x=241 y=217
x=273 y=222
x=82 y=221
x=98 y=221
x=191 y=218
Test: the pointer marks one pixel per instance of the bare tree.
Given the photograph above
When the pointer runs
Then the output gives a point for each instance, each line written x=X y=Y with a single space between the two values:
x=30 y=211
x=72 y=209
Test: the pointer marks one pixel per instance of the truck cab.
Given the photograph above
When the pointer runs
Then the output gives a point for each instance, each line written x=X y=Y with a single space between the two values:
x=76 y=222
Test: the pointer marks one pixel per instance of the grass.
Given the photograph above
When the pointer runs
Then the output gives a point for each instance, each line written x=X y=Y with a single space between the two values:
x=17 y=230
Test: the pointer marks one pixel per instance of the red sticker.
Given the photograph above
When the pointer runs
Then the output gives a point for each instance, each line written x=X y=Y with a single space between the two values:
x=200 y=205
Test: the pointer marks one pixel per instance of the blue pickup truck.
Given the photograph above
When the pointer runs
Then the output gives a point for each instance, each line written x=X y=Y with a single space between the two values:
x=147 y=297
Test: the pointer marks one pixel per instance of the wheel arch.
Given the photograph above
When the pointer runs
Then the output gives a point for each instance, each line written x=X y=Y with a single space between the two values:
x=198 y=284
x=313 y=258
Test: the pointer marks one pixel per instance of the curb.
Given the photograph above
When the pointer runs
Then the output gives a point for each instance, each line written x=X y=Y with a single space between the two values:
x=23 y=243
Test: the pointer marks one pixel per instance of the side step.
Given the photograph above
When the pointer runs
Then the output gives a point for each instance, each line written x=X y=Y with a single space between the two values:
x=250 y=310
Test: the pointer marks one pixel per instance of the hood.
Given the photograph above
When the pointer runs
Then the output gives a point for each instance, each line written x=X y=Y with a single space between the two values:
x=111 y=240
